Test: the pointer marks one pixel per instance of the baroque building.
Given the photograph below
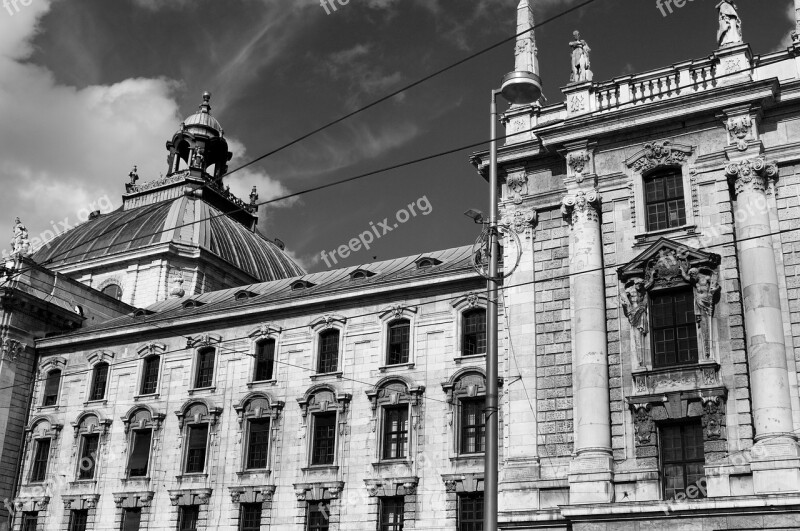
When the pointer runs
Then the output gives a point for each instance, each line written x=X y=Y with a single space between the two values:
x=649 y=373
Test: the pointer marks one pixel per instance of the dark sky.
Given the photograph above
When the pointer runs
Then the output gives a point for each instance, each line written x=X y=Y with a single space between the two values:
x=95 y=86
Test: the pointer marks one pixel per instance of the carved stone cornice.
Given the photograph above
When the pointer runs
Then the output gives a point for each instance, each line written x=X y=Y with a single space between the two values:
x=751 y=175
x=581 y=206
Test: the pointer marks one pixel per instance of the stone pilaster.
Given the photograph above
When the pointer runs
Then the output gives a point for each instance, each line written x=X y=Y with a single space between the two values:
x=591 y=470
x=776 y=467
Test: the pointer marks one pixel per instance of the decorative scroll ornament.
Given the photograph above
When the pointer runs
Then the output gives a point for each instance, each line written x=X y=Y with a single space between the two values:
x=665 y=269
x=11 y=349
x=643 y=423
x=662 y=153
x=577 y=162
x=581 y=205
x=518 y=186
x=739 y=128
x=713 y=418
x=752 y=174
x=521 y=220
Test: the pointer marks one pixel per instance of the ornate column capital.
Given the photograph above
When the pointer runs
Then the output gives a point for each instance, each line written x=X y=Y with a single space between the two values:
x=521 y=219
x=751 y=175
x=581 y=205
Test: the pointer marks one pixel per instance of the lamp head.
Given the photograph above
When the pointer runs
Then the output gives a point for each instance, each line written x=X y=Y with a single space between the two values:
x=521 y=87
x=475 y=215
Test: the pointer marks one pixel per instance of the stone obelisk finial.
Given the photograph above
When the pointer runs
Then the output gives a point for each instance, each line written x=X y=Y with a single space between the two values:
x=526 y=59
x=796 y=32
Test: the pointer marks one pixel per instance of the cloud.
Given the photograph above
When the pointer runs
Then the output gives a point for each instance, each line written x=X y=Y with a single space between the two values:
x=791 y=15
x=358 y=67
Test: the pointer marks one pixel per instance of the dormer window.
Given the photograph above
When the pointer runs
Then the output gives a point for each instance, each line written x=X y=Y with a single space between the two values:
x=113 y=290
x=143 y=313
x=426 y=262
x=192 y=304
x=301 y=284
x=361 y=274
x=664 y=199
x=243 y=295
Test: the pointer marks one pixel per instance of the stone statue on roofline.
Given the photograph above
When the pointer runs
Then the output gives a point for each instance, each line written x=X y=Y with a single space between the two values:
x=20 y=245
x=730 y=25
x=581 y=63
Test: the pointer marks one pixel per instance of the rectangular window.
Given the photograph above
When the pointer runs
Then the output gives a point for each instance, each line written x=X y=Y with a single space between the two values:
x=205 y=368
x=474 y=333
x=399 y=337
x=257 y=443
x=140 y=453
x=131 y=519
x=51 y=386
x=150 y=375
x=40 y=457
x=683 y=459
x=664 y=201
x=99 y=380
x=187 y=517
x=86 y=465
x=674 y=329
x=78 y=520
x=318 y=516
x=395 y=432
x=328 y=352
x=473 y=426
x=265 y=360
x=391 y=513
x=197 y=438
x=250 y=517
x=324 y=444
x=30 y=520
x=470 y=512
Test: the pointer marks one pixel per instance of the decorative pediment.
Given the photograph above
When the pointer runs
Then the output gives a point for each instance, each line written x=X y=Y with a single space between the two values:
x=322 y=398
x=659 y=154
x=470 y=301
x=204 y=340
x=664 y=263
x=150 y=349
x=100 y=355
x=323 y=322
x=397 y=311
x=264 y=330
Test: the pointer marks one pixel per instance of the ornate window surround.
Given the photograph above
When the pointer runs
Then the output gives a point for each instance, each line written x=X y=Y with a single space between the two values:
x=386 y=318
x=405 y=487
x=51 y=364
x=319 y=325
x=143 y=352
x=134 y=500
x=309 y=404
x=77 y=502
x=654 y=156
x=462 y=305
x=245 y=414
x=197 y=344
x=185 y=497
x=99 y=356
x=263 y=332
x=41 y=427
x=469 y=382
x=154 y=423
x=382 y=395
x=310 y=492
x=82 y=426
x=262 y=494
x=211 y=417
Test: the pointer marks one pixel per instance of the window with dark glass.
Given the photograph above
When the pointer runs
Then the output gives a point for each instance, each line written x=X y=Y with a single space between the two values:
x=150 y=375
x=318 y=516
x=78 y=519
x=323 y=447
x=40 y=458
x=250 y=517
x=113 y=290
x=395 y=432
x=51 y=385
x=86 y=465
x=674 y=329
x=683 y=459
x=197 y=438
x=328 y=352
x=131 y=519
x=99 y=381
x=470 y=512
x=391 y=513
x=474 y=338
x=399 y=342
x=664 y=202
x=187 y=517
x=473 y=426
x=257 y=443
x=140 y=453
x=30 y=520
x=265 y=360
x=205 y=368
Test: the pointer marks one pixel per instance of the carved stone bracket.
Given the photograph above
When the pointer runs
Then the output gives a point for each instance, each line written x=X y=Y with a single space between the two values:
x=739 y=128
x=581 y=206
x=463 y=482
x=254 y=494
x=327 y=490
x=11 y=349
x=398 y=486
x=578 y=163
x=643 y=423
x=751 y=175
x=713 y=417
x=133 y=499
x=521 y=220
x=189 y=496
x=517 y=183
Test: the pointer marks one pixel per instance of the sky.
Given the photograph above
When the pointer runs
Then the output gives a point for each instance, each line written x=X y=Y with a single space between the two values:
x=90 y=88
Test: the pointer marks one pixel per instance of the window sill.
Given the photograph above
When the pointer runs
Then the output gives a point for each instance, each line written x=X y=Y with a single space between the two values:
x=101 y=402
x=470 y=359
x=255 y=473
x=135 y=480
x=83 y=482
x=250 y=385
x=399 y=366
x=321 y=468
x=47 y=408
x=469 y=459
x=650 y=236
x=148 y=396
x=197 y=390
x=192 y=476
x=326 y=375
x=392 y=462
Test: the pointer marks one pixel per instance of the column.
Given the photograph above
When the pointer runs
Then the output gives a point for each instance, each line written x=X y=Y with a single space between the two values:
x=590 y=471
x=775 y=465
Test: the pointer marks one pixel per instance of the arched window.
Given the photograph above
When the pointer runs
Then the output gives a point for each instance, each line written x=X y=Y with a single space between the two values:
x=140 y=426
x=257 y=417
x=51 y=387
x=88 y=433
x=473 y=338
x=196 y=420
x=466 y=394
x=323 y=410
x=41 y=437
x=99 y=381
x=665 y=206
x=113 y=290
x=399 y=342
x=265 y=360
x=394 y=403
x=328 y=359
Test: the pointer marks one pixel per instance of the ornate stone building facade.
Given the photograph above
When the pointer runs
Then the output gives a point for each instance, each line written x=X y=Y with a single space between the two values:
x=649 y=355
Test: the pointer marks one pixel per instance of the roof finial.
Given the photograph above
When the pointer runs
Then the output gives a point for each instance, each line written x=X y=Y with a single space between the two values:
x=206 y=105
x=796 y=32
x=526 y=53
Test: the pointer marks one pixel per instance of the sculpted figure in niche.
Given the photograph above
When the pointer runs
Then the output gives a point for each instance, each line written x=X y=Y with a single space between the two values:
x=706 y=294
x=730 y=25
x=634 y=306
x=580 y=60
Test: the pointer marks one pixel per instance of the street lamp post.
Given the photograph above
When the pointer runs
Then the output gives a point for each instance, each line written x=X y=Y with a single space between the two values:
x=518 y=87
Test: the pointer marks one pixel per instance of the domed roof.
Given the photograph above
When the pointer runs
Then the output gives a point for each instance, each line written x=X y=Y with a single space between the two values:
x=202 y=121
x=183 y=221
